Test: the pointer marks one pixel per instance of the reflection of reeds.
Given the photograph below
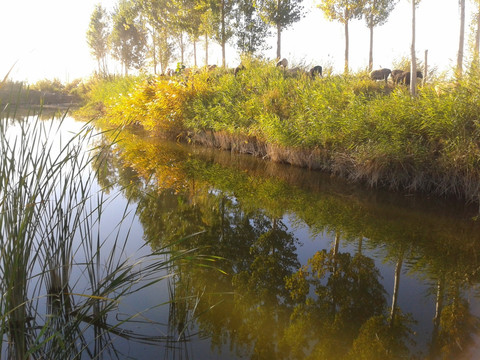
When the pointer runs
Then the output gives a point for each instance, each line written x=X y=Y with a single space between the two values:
x=50 y=229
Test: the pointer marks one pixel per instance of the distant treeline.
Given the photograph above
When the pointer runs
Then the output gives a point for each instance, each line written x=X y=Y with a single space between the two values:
x=152 y=34
x=44 y=92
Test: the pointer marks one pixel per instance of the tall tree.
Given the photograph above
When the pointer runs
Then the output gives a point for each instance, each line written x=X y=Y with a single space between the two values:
x=128 y=37
x=251 y=32
x=188 y=20
x=223 y=15
x=159 y=15
x=376 y=13
x=207 y=29
x=281 y=14
x=413 y=63
x=97 y=37
x=476 y=48
x=461 y=41
x=343 y=11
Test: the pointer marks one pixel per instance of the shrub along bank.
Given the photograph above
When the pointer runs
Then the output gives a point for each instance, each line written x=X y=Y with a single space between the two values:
x=350 y=126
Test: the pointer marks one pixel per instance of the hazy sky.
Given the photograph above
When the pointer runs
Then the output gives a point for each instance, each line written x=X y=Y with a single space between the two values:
x=48 y=38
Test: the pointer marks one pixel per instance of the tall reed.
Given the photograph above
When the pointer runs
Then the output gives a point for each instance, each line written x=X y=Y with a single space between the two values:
x=55 y=250
x=349 y=125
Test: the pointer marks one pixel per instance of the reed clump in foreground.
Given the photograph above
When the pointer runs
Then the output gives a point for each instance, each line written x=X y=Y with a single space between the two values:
x=347 y=125
x=63 y=270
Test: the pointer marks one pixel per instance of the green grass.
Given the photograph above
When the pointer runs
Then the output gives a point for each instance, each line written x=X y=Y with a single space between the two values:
x=351 y=126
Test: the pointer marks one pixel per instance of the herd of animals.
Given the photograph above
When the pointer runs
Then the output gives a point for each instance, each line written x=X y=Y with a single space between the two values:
x=397 y=76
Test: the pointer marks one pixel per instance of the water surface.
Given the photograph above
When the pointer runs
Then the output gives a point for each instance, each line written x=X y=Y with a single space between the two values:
x=300 y=264
x=310 y=265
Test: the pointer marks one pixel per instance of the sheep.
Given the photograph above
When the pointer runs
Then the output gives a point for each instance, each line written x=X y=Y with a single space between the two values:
x=381 y=74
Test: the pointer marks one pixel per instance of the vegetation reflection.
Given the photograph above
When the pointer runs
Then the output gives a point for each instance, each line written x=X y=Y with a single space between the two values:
x=265 y=304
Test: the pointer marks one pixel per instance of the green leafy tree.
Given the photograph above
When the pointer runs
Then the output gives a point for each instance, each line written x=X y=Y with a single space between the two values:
x=281 y=14
x=251 y=31
x=347 y=294
x=342 y=11
x=158 y=14
x=188 y=20
x=223 y=16
x=376 y=13
x=128 y=37
x=97 y=37
x=207 y=29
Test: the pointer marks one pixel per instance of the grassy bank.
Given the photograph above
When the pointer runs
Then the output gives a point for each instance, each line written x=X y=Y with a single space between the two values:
x=350 y=126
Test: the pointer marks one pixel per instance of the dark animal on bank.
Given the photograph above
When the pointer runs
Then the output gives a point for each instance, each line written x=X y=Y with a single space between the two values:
x=238 y=69
x=381 y=74
x=294 y=72
x=282 y=63
x=316 y=70
x=396 y=74
x=405 y=77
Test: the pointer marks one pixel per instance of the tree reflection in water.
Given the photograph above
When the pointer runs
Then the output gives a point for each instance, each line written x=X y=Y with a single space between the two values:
x=257 y=297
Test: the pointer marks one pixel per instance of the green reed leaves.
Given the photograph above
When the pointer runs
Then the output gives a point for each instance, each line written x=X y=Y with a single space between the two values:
x=349 y=125
x=64 y=269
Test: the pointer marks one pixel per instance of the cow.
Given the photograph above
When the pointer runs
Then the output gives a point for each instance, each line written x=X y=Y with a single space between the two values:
x=381 y=74
x=316 y=70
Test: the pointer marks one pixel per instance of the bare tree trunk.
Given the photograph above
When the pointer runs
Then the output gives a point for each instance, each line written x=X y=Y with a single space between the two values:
x=346 y=48
x=436 y=319
x=336 y=244
x=461 y=40
x=425 y=70
x=206 y=49
x=477 y=38
x=182 y=48
x=154 y=53
x=413 y=70
x=370 y=54
x=223 y=34
x=279 y=36
x=195 y=53
x=398 y=271
x=279 y=42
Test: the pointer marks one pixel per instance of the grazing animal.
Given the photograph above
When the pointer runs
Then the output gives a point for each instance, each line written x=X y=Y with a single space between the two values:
x=316 y=70
x=294 y=71
x=381 y=74
x=396 y=75
x=405 y=77
x=283 y=63
x=238 y=69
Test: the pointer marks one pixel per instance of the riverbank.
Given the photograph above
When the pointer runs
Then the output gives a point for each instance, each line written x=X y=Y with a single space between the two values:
x=352 y=127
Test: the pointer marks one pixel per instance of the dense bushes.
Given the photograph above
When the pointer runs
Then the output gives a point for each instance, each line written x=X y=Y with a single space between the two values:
x=352 y=126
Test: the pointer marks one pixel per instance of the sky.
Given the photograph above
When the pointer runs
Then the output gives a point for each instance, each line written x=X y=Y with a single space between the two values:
x=47 y=39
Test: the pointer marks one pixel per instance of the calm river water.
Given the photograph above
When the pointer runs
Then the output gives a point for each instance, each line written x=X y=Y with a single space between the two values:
x=299 y=264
